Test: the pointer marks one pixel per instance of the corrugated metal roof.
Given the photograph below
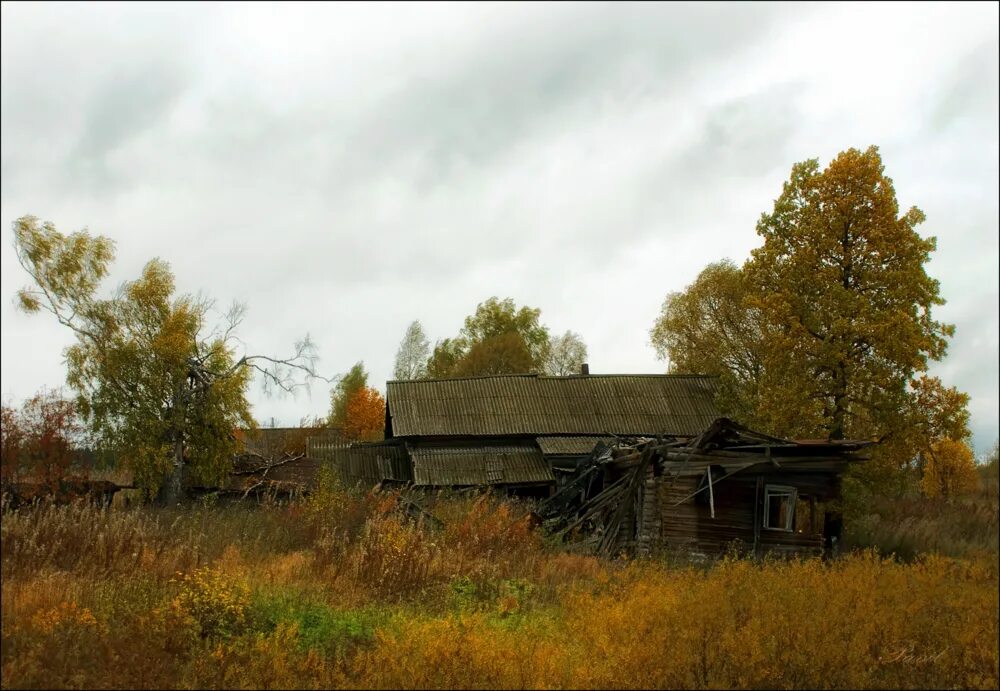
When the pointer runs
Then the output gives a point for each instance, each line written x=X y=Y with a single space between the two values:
x=624 y=404
x=575 y=446
x=371 y=463
x=440 y=465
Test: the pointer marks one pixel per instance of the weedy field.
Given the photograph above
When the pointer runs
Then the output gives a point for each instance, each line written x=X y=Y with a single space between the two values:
x=345 y=590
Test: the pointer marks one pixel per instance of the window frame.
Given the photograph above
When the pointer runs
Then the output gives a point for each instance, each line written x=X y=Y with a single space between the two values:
x=788 y=493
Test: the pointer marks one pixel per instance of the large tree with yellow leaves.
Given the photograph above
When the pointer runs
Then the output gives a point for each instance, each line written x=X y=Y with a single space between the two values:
x=153 y=386
x=827 y=330
x=844 y=297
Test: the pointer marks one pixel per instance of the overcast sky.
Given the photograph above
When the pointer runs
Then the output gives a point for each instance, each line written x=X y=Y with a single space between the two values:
x=346 y=169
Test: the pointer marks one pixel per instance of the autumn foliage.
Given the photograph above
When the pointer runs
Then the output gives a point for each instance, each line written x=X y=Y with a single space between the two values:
x=364 y=415
x=155 y=382
x=949 y=470
x=40 y=441
x=498 y=338
x=827 y=330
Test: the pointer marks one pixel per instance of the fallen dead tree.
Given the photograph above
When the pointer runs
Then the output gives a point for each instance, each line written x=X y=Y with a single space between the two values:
x=259 y=475
x=702 y=493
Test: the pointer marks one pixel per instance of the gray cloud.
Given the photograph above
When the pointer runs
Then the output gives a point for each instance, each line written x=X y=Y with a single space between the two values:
x=345 y=169
x=970 y=89
x=132 y=101
x=538 y=78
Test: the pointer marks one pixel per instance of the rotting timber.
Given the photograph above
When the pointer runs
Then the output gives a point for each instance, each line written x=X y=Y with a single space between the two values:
x=704 y=495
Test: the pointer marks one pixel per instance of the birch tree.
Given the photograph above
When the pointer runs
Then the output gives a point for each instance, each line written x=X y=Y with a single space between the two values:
x=411 y=358
x=567 y=353
x=154 y=383
x=708 y=328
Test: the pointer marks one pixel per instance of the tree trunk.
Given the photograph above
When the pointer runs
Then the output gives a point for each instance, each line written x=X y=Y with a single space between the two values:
x=839 y=404
x=837 y=428
x=172 y=491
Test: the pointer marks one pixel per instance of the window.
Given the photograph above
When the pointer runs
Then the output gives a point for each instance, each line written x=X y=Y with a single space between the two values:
x=779 y=507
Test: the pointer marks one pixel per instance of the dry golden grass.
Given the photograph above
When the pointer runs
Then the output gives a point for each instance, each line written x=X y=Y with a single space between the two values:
x=863 y=623
x=344 y=590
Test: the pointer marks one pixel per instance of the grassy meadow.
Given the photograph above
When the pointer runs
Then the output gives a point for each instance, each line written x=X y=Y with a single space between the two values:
x=343 y=589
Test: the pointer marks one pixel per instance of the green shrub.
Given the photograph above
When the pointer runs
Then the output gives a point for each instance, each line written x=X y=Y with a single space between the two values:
x=319 y=626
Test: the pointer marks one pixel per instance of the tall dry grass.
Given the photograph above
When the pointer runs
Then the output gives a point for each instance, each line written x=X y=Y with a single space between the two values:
x=347 y=589
x=910 y=525
x=865 y=622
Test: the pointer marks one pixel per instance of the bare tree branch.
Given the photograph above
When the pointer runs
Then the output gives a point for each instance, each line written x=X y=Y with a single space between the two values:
x=268 y=463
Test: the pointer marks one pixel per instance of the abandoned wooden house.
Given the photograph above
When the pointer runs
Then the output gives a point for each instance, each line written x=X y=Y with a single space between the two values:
x=522 y=433
x=621 y=462
x=728 y=487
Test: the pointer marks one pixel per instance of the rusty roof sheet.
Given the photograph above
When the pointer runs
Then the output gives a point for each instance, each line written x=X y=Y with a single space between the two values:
x=569 y=446
x=440 y=465
x=533 y=404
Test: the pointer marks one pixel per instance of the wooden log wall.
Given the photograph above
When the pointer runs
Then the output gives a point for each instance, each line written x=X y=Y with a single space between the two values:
x=689 y=526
